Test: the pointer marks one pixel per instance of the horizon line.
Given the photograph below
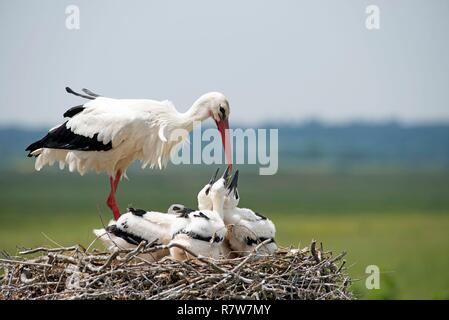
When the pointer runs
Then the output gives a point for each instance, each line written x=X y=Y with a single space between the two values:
x=280 y=123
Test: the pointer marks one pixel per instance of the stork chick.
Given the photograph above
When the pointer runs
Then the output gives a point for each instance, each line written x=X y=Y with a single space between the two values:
x=205 y=231
x=138 y=225
x=246 y=228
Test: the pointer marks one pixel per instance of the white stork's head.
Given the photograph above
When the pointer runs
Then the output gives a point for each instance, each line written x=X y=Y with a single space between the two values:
x=204 y=201
x=216 y=106
x=203 y=197
x=218 y=192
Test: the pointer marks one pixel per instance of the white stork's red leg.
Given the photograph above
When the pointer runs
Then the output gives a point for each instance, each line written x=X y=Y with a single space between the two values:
x=112 y=202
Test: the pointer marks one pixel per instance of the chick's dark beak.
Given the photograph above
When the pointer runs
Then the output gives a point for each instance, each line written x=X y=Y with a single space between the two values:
x=233 y=185
x=214 y=177
x=226 y=174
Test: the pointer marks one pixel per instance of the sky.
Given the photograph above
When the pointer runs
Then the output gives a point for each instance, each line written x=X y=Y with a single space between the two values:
x=289 y=61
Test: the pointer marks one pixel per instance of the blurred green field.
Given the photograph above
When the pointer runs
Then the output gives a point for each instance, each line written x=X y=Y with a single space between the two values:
x=396 y=220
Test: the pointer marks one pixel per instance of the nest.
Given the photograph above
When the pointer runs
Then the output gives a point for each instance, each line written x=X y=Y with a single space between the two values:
x=77 y=273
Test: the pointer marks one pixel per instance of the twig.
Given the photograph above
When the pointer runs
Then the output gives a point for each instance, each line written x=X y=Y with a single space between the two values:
x=25 y=263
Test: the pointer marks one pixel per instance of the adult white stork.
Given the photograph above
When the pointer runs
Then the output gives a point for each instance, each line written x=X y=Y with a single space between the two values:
x=107 y=135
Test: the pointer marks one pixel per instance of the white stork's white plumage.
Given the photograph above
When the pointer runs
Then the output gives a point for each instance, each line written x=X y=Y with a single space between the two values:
x=107 y=135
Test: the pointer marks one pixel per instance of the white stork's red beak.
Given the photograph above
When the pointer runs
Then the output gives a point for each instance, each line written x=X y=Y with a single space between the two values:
x=223 y=127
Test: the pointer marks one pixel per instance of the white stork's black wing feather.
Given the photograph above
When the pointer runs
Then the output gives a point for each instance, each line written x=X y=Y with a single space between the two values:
x=90 y=93
x=73 y=111
x=63 y=138
x=69 y=90
x=77 y=109
x=128 y=237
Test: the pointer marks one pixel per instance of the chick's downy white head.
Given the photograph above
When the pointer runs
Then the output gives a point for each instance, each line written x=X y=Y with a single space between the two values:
x=203 y=197
x=204 y=200
x=218 y=192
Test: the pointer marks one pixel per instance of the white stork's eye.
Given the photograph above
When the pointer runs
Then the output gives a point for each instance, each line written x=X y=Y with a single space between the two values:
x=222 y=113
x=207 y=191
